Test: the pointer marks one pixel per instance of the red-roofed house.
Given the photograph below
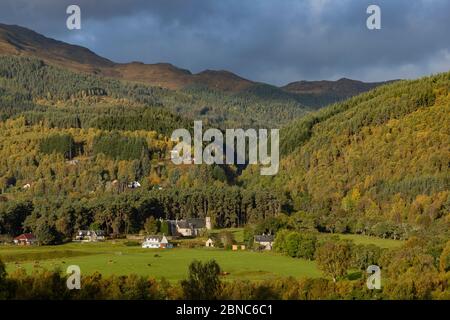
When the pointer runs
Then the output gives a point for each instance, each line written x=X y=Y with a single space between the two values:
x=25 y=239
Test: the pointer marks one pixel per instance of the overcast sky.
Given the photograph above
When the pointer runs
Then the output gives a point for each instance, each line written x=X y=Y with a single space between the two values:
x=274 y=41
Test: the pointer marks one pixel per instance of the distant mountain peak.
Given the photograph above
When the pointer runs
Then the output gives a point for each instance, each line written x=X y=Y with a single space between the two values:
x=343 y=85
x=18 y=40
x=322 y=92
x=347 y=80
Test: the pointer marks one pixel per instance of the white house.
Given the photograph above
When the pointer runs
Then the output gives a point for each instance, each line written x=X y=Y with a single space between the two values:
x=265 y=241
x=90 y=235
x=156 y=242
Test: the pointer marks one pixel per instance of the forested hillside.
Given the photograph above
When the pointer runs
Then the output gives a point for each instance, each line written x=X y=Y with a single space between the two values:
x=378 y=163
x=223 y=97
x=73 y=145
x=29 y=84
x=321 y=93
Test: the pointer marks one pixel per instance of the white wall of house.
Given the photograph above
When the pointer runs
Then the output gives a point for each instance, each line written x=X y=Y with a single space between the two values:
x=185 y=232
x=266 y=245
x=209 y=243
x=151 y=245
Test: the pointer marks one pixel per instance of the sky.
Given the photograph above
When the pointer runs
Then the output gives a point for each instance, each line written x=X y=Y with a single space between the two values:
x=272 y=41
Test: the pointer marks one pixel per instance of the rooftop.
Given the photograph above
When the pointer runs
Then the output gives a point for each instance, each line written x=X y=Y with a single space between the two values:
x=264 y=238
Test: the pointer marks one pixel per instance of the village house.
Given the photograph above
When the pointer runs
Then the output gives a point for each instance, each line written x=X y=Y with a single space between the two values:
x=191 y=227
x=134 y=185
x=156 y=242
x=90 y=236
x=265 y=241
x=25 y=239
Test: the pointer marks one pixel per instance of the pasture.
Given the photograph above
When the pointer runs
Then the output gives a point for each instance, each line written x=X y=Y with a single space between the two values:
x=114 y=257
x=382 y=243
x=110 y=258
x=238 y=234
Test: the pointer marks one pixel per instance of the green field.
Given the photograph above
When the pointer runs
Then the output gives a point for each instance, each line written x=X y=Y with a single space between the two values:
x=238 y=234
x=109 y=258
x=116 y=258
x=382 y=243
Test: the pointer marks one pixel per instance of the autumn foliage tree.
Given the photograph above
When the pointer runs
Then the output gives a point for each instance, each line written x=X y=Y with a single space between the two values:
x=334 y=259
x=203 y=281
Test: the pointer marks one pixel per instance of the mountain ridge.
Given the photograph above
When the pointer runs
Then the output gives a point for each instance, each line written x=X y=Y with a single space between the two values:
x=18 y=40
x=305 y=86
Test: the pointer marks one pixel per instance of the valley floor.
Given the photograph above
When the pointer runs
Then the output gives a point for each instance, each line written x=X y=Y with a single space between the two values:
x=114 y=257
x=171 y=264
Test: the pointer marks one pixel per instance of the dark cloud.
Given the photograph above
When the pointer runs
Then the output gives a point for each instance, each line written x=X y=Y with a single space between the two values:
x=266 y=40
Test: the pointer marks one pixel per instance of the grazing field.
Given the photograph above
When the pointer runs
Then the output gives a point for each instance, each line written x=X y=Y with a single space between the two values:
x=382 y=243
x=238 y=233
x=115 y=258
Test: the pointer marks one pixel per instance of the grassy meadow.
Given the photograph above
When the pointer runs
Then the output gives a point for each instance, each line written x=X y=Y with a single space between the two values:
x=114 y=257
x=382 y=243
x=109 y=258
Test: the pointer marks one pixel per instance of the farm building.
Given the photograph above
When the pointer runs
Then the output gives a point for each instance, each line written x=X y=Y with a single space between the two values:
x=265 y=241
x=90 y=235
x=155 y=242
x=134 y=185
x=25 y=239
x=209 y=243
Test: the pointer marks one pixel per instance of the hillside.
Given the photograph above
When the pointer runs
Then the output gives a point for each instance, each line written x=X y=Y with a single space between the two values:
x=218 y=97
x=29 y=83
x=375 y=163
x=72 y=143
x=16 y=40
x=320 y=93
x=22 y=41
x=61 y=98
